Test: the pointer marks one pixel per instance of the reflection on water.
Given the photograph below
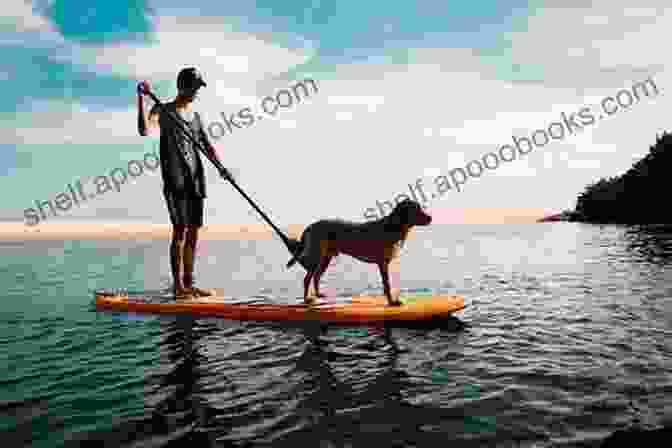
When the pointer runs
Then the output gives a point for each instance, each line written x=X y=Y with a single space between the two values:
x=650 y=244
x=331 y=384
x=181 y=402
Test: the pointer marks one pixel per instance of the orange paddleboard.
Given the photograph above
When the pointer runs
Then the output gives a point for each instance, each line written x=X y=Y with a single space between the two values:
x=358 y=309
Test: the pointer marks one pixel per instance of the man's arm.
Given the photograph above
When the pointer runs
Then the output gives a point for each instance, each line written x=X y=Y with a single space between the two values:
x=146 y=123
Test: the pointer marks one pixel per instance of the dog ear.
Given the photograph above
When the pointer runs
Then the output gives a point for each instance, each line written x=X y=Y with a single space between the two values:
x=406 y=211
x=397 y=217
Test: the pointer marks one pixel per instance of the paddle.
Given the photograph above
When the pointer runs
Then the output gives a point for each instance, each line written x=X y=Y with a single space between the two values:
x=292 y=245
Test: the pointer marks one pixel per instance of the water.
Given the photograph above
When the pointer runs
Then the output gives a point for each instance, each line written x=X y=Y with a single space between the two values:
x=567 y=339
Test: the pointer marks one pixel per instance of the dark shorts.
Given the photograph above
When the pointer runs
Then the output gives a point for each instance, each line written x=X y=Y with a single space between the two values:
x=184 y=210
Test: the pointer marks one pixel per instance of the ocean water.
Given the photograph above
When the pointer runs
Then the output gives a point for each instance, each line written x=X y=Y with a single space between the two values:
x=567 y=338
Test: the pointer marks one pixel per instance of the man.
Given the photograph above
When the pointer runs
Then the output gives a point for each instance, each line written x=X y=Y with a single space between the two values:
x=182 y=172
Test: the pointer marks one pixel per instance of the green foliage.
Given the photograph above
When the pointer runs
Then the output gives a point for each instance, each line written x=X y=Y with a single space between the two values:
x=629 y=198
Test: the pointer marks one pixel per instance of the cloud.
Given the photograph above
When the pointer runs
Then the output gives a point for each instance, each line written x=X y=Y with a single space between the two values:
x=22 y=17
x=205 y=42
x=53 y=122
x=599 y=44
x=232 y=62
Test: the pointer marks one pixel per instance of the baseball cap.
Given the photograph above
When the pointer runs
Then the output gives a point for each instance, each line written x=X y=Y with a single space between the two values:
x=190 y=77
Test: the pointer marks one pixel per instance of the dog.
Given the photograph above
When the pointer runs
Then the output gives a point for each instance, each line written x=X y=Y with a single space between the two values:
x=376 y=242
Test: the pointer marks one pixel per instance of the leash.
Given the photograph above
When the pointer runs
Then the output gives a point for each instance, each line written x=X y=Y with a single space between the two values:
x=291 y=244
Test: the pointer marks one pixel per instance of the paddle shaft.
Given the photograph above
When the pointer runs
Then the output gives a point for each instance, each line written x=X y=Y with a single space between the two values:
x=219 y=166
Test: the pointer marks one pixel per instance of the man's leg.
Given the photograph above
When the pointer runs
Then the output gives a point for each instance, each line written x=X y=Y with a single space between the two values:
x=176 y=210
x=177 y=258
x=189 y=256
x=189 y=252
x=194 y=208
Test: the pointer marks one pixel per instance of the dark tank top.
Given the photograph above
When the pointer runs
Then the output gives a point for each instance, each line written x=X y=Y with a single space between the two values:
x=181 y=165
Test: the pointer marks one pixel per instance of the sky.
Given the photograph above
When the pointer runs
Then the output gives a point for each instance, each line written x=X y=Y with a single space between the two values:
x=407 y=92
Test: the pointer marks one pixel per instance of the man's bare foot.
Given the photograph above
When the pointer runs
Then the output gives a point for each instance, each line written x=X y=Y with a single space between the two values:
x=394 y=301
x=182 y=293
x=198 y=292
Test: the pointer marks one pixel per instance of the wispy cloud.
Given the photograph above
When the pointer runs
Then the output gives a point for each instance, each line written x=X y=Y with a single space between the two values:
x=205 y=42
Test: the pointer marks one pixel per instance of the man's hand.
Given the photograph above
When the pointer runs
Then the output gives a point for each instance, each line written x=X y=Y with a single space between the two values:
x=143 y=88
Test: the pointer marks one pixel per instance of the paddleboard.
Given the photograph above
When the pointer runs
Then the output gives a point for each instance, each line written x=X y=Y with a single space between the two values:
x=346 y=310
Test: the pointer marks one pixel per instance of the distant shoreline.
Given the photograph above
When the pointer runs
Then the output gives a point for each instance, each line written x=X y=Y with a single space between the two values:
x=566 y=216
x=91 y=230
x=133 y=231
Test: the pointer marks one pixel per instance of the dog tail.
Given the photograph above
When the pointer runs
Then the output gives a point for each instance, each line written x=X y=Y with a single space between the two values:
x=296 y=247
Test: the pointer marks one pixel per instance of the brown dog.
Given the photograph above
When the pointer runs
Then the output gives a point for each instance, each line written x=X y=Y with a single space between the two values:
x=371 y=242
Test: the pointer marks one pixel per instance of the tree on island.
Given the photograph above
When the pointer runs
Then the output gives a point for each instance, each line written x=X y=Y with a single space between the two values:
x=631 y=198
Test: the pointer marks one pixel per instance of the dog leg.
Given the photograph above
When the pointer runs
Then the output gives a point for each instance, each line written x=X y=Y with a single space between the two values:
x=384 y=273
x=324 y=264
